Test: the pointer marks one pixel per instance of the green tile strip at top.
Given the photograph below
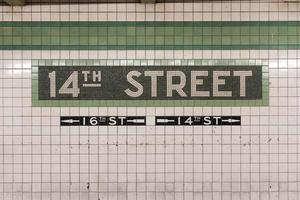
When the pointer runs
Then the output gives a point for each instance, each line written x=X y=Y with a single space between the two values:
x=206 y=35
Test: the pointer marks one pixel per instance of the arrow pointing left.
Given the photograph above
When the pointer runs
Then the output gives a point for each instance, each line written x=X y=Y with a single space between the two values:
x=69 y=121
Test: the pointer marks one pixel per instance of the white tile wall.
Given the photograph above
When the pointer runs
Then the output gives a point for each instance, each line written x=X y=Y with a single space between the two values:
x=259 y=160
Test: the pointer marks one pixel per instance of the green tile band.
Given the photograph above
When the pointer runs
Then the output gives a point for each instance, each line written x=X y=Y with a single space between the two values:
x=150 y=103
x=208 y=35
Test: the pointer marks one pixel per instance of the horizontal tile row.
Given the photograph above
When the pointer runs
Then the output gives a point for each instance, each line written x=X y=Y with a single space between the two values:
x=149 y=35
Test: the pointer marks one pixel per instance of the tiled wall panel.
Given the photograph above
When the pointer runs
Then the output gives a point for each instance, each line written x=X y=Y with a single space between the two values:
x=39 y=159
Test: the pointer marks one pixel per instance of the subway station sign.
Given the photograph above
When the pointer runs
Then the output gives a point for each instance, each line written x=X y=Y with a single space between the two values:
x=150 y=84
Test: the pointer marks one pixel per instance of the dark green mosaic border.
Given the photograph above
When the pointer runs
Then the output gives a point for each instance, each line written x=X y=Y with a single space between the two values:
x=149 y=103
x=207 y=35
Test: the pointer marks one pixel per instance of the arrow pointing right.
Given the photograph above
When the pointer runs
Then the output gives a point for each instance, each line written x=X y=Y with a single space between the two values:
x=231 y=120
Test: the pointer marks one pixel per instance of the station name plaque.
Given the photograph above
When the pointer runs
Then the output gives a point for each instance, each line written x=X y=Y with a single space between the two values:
x=150 y=85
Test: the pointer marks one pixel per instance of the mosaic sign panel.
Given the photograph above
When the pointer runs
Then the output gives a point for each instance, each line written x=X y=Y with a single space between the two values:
x=154 y=82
